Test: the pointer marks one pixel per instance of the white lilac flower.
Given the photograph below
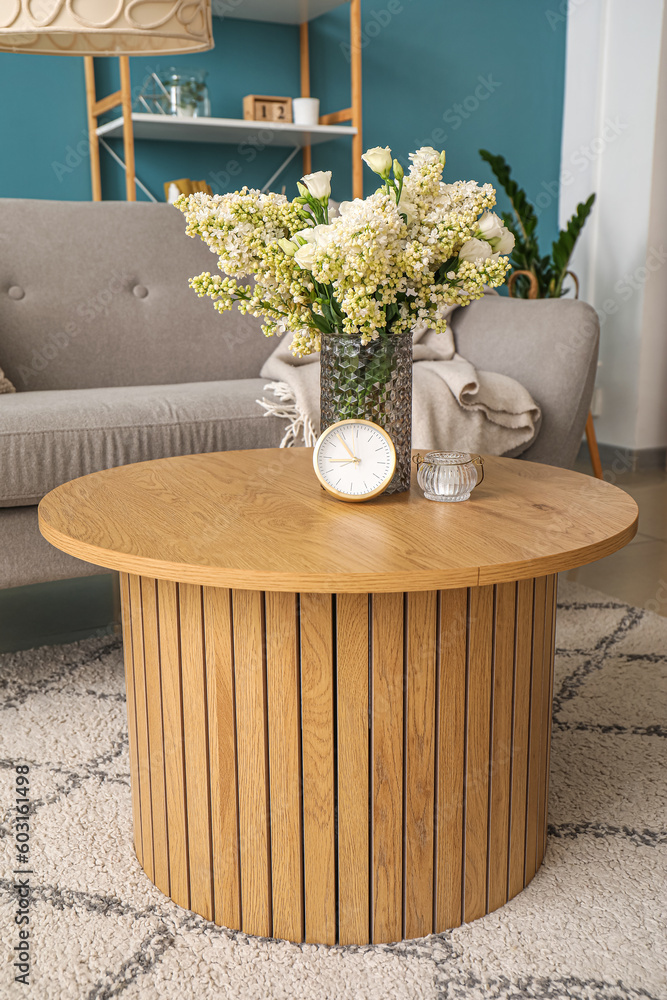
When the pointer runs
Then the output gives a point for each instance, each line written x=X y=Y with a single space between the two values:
x=274 y=261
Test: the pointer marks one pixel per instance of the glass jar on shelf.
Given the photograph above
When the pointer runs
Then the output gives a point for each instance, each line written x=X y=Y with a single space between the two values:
x=188 y=93
x=181 y=93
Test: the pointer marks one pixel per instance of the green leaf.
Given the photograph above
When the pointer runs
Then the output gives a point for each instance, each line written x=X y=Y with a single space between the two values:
x=561 y=250
x=550 y=270
x=523 y=210
x=321 y=324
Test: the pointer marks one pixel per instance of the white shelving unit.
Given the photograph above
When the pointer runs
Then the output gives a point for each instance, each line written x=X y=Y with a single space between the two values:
x=232 y=130
x=138 y=125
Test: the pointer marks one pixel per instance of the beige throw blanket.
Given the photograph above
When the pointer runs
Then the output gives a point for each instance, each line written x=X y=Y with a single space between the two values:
x=454 y=406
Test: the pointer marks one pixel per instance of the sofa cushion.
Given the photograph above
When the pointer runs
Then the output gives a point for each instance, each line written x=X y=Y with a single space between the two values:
x=50 y=437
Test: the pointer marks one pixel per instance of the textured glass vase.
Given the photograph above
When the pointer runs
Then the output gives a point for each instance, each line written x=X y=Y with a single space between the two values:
x=372 y=381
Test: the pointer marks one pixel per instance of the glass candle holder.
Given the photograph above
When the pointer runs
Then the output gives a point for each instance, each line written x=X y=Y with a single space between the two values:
x=449 y=476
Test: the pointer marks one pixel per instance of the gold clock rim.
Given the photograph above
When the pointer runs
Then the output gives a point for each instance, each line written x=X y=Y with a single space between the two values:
x=332 y=489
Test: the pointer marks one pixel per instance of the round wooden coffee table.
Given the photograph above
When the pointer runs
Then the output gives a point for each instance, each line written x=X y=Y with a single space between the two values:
x=339 y=714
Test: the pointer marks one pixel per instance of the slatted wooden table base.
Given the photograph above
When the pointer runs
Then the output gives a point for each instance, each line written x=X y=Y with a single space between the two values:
x=345 y=768
x=339 y=713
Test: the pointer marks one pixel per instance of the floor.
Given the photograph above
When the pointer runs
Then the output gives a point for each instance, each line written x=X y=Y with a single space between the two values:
x=638 y=573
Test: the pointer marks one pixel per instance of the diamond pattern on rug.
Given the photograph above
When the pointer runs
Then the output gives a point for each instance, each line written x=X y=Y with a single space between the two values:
x=591 y=926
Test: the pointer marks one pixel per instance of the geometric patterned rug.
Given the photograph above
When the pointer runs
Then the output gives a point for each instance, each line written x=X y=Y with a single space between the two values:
x=592 y=925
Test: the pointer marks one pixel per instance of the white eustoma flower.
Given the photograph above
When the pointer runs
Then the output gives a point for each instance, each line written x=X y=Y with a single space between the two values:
x=319 y=184
x=474 y=250
x=305 y=256
x=490 y=226
x=379 y=160
x=307 y=234
x=322 y=235
x=505 y=244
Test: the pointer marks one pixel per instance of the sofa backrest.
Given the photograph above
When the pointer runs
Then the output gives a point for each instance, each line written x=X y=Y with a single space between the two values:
x=96 y=294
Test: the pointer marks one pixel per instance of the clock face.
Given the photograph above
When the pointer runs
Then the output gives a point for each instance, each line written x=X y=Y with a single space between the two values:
x=355 y=459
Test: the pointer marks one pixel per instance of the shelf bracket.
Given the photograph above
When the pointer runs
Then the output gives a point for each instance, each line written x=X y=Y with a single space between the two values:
x=279 y=170
x=121 y=162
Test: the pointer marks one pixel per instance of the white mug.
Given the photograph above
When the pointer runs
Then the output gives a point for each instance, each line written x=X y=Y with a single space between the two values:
x=306 y=110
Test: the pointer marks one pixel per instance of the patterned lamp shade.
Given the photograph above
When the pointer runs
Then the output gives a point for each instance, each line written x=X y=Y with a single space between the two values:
x=105 y=27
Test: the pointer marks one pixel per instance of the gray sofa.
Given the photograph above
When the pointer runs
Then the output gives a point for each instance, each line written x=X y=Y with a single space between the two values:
x=116 y=360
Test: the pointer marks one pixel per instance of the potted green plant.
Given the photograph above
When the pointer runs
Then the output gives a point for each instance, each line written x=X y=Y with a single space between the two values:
x=534 y=275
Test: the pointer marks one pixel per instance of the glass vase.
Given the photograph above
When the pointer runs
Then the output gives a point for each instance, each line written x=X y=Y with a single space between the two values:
x=374 y=382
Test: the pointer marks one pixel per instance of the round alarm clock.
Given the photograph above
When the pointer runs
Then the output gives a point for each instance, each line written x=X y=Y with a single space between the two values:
x=354 y=459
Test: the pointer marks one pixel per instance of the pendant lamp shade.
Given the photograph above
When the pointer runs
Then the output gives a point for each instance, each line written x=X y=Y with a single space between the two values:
x=105 y=27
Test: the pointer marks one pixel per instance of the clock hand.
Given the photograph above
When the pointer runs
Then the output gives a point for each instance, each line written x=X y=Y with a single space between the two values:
x=346 y=447
x=346 y=461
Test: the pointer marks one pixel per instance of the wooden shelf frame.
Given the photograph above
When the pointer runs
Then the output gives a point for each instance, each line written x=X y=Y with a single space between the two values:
x=120 y=98
x=123 y=98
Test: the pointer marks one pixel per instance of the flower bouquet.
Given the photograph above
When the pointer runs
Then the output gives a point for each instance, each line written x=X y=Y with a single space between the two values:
x=355 y=285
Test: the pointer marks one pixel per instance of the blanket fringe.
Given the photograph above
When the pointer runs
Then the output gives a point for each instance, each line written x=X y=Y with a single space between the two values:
x=300 y=428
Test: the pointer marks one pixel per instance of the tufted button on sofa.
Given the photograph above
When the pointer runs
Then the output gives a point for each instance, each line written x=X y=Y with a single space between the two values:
x=116 y=360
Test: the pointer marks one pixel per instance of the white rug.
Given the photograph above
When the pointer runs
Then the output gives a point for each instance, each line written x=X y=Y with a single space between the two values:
x=592 y=925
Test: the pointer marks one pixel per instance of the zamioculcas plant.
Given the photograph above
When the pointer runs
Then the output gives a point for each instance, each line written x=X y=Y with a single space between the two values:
x=549 y=271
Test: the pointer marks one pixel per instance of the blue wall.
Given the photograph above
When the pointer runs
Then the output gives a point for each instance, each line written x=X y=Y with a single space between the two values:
x=455 y=75
x=459 y=76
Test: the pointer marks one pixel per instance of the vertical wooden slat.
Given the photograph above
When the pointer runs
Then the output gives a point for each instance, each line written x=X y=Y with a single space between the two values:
x=248 y=610
x=304 y=52
x=477 y=769
x=547 y=697
x=521 y=724
x=156 y=736
x=195 y=730
x=532 y=804
x=317 y=699
x=91 y=99
x=353 y=774
x=283 y=698
x=451 y=733
x=387 y=766
x=128 y=128
x=143 y=744
x=420 y=761
x=503 y=677
x=554 y=618
x=131 y=713
x=222 y=755
x=174 y=759
x=356 y=42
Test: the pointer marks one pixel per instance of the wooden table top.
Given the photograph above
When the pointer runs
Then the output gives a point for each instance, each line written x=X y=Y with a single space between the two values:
x=259 y=520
